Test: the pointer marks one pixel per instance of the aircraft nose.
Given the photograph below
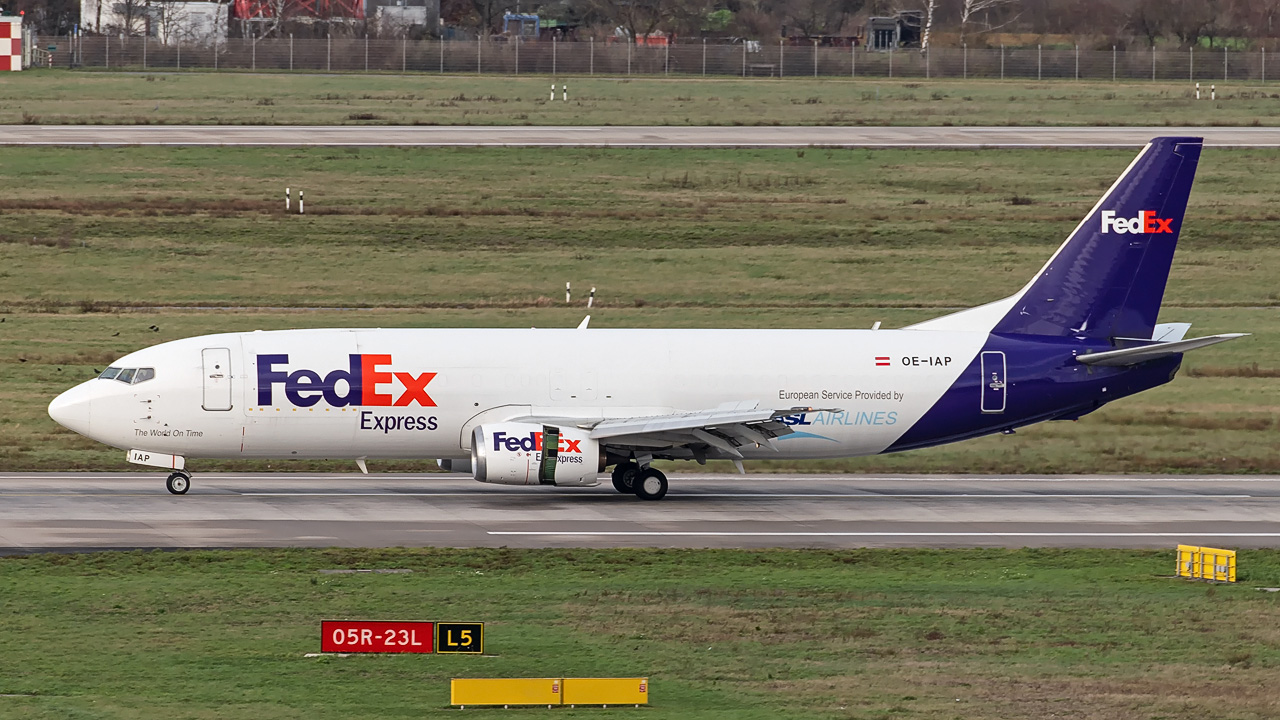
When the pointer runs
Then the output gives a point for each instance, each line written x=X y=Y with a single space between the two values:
x=71 y=409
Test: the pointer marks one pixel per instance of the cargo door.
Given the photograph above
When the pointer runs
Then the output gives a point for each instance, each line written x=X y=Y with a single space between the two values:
x=994 y=390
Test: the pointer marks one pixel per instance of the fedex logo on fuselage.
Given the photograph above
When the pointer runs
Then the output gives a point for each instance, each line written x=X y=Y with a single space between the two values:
x=531 y=443
x=1146 y=223
x=366 y=381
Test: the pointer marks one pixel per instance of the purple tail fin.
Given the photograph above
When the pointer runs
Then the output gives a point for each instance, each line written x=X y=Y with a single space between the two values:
x=1107 y=280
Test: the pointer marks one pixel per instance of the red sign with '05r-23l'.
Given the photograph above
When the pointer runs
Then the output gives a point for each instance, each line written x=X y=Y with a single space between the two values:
x=357 y=636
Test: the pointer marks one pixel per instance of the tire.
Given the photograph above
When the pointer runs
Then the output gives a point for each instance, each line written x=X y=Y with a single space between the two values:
x=650 y=484
x=178 y=483
x=624 y=476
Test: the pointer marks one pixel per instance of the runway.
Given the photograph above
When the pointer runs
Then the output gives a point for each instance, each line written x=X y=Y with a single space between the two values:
x=88 y=511
x=636 y=136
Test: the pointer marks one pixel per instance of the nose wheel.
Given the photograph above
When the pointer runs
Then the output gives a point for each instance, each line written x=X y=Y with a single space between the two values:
x=178 y=483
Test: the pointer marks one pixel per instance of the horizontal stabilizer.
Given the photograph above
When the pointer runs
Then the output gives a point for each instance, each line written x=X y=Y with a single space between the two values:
x=1135 y=355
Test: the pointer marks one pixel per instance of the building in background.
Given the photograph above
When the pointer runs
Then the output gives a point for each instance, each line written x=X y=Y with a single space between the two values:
x=400 y=18
x=168 y=22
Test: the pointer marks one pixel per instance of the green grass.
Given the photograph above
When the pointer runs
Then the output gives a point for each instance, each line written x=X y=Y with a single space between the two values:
x=99 y=244
x=971 y=634
x=64 y=97
x=442 y=227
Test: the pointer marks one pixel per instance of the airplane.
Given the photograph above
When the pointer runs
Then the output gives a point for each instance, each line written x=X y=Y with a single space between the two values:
x=558 y=407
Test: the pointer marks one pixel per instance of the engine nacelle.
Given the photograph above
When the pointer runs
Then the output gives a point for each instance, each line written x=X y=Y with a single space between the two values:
x=512 y=453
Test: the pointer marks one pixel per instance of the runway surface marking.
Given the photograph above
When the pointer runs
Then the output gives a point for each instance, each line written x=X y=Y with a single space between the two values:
x=859 y=496
x=678 y=533
x=748 y=496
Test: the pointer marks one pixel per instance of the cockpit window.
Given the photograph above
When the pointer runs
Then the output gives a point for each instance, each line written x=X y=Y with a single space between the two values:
x=128 y=376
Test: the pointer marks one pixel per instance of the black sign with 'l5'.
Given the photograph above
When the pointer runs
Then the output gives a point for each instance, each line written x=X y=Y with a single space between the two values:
x=460 y=637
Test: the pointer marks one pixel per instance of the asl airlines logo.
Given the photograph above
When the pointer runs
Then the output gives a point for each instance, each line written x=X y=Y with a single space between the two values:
x=1146 y=223
x=365 y=382
x=532 y=443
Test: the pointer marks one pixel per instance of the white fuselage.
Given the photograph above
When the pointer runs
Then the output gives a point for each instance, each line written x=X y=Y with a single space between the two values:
x=868 y=386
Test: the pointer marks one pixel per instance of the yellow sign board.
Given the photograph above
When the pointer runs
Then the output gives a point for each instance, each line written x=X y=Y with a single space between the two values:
x=549 y=691
x=1205 y=563
x=606 y=691
x=505 y=691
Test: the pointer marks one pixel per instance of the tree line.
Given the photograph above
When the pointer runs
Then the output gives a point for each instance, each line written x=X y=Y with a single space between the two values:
x=1237 y=24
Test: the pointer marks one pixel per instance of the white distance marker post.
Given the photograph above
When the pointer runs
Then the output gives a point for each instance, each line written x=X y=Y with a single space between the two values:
x=300 y=210
x=553 y=92
x=566 y=293
x=1213 y=92
x=1197 y=91
x=565 y=88
x=286 y=199
x=591 y=298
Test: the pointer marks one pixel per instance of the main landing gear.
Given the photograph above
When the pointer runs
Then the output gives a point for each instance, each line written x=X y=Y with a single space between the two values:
x=646 y=484
x=650 y=484
x=179 y=482
x=624 y=476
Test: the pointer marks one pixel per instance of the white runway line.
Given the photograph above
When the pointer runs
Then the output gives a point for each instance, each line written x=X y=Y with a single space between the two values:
x=824 y=496
x=678 y=533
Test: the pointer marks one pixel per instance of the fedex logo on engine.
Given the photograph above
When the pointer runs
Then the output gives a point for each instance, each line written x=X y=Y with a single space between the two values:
x=532 y=443
x=1146 y=223
x=367 y=380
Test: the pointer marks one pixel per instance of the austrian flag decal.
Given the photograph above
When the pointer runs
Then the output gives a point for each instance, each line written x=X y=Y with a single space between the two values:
x=882 y=361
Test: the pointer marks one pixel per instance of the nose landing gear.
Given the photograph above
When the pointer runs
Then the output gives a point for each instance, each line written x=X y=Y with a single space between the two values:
x=179 y=482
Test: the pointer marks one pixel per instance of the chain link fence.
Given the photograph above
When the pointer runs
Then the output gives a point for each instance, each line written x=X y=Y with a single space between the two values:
x=346 y=55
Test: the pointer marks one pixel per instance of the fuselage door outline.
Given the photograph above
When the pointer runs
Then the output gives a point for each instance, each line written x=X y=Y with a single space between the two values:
x=217 y=379
x=994 y=390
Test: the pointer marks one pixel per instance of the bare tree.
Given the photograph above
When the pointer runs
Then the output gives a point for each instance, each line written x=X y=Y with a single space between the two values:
x=970 y=8
x=488 y=12
x=638 y=18
x=174 y=23
x=1190 y=19
x=816 y=17
x=1256 y=18
x=929 y=7
x=133 y=17
x=1147 y=18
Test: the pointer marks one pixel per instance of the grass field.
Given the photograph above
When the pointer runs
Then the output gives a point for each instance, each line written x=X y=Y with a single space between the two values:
x=98 y=245
x=64 y=97
x=979 y=634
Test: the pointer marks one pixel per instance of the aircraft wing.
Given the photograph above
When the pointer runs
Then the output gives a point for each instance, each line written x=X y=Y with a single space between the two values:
x=717 y=432
x=1135 y=355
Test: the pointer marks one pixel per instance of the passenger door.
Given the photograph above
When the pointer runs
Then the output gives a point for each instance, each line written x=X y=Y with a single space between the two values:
x=217 y=379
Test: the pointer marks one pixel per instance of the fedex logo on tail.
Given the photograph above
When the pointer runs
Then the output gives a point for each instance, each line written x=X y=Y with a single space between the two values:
x=531 y=443
x=367 y=381
x=1146 y=223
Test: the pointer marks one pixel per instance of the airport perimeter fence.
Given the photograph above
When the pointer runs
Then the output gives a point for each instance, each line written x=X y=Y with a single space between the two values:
x=346 y=55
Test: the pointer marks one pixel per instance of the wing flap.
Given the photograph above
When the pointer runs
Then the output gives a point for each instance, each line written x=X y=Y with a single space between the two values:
x=718 y=432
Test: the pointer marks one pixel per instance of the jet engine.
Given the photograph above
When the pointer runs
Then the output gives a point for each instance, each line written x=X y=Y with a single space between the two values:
x=515 y=453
